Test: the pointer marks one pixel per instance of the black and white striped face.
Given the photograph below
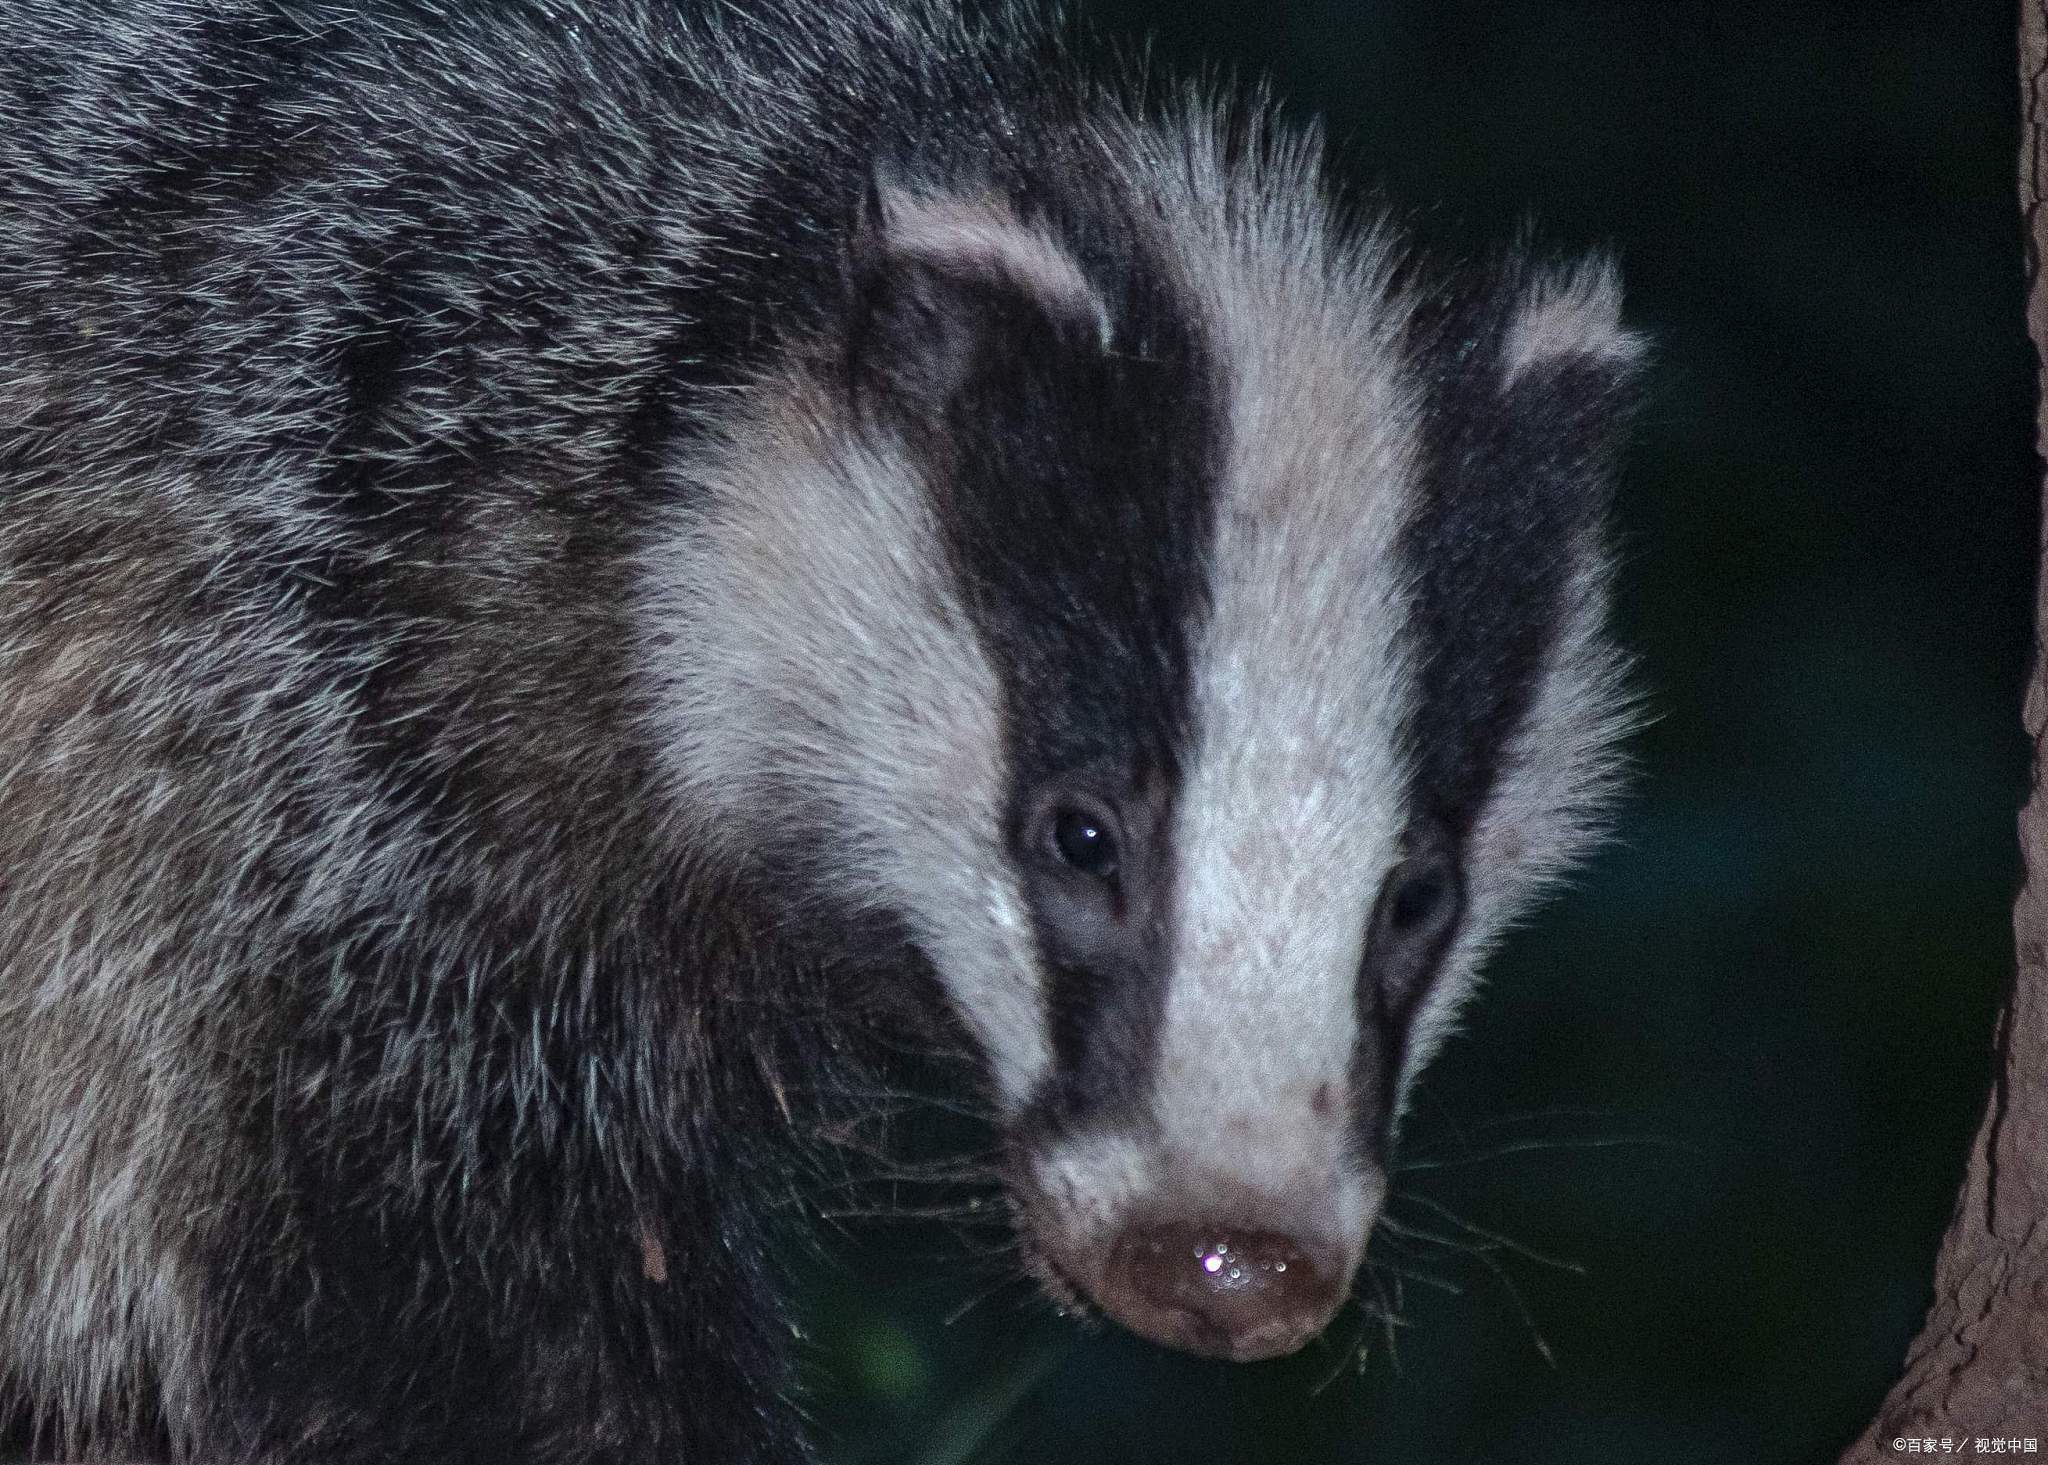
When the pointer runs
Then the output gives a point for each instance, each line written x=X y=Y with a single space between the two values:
x=1193 y=637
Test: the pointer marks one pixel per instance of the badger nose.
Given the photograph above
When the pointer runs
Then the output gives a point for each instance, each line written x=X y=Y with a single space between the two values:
x=1219 y=1290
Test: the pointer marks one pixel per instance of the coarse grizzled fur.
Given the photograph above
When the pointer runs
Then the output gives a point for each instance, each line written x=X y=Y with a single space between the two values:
x=549 y=550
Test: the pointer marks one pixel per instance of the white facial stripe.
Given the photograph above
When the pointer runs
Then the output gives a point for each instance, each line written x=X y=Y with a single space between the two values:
x=1292 y=800
x=811 y=646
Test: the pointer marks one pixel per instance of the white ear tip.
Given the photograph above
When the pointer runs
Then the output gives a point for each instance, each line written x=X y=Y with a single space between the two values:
x=1574 y=311
x=980 y=234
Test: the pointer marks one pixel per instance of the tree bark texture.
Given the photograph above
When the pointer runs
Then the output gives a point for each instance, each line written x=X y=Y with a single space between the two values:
x=1979 y=1369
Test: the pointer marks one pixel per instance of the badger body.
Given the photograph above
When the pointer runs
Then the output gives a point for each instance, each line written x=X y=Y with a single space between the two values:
x=553 y=556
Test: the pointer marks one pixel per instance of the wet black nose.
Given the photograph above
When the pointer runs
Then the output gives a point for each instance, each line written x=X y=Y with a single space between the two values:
x=1219 y=1290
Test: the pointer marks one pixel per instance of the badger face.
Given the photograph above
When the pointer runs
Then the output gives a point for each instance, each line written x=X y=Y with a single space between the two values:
x=1192 y=637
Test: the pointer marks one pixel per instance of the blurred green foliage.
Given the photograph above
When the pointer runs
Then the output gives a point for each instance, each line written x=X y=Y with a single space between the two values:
x=1693 y=1156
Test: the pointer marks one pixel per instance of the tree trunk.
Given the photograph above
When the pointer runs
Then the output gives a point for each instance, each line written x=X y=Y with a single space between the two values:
x=1979 y=1369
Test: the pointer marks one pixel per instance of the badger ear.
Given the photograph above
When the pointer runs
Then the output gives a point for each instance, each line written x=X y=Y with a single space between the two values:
x=1530 y=381
x=1568 y=313
x=935 y=282
x=1567 y=368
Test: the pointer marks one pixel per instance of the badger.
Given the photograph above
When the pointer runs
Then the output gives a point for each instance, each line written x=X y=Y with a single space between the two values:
x=566 y=566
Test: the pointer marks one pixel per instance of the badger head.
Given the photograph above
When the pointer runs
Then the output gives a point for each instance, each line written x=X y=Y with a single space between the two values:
x=1186 y=623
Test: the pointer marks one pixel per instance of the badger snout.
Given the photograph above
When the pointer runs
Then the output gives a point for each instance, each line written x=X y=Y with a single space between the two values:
x=1244 y=1265
x=1220 y=1290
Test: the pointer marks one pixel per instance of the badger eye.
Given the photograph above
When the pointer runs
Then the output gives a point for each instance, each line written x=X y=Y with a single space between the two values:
x=1083 y=840
x=1417 y=898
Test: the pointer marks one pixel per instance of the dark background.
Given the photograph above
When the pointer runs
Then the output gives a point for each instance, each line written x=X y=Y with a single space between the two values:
x=1731 y=1076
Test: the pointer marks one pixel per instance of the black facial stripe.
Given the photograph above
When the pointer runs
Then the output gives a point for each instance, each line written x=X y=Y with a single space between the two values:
x=1510 y=490
x=1396 y=972
x=1104 y=1026
x=1103 y=942
x=1077 y=512
x=1488 y=547
x=1509 y=495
